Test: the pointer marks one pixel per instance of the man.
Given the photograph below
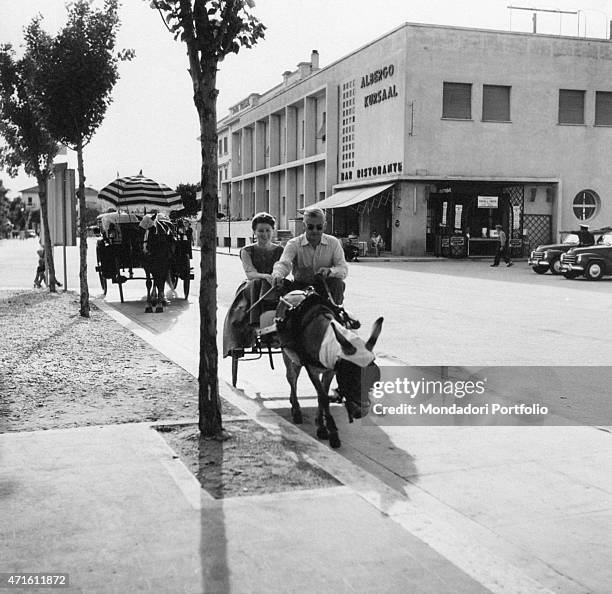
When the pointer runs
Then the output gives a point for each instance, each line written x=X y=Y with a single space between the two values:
x=313 y=254
x=585 y=236
x=501 y=248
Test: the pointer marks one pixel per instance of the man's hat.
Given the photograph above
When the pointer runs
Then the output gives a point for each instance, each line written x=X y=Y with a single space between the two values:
x=498 y=226
x=584 y=226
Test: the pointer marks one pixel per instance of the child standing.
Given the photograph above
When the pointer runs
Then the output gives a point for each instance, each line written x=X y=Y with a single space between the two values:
x=40 y=270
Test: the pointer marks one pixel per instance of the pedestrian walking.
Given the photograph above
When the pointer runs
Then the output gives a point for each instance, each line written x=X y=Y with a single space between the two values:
x=502 y=250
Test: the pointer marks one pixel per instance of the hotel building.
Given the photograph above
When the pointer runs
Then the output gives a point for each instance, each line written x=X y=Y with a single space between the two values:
x=431 y=135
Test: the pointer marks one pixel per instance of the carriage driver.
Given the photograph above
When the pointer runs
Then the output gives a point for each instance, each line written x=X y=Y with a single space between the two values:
x=313 y=255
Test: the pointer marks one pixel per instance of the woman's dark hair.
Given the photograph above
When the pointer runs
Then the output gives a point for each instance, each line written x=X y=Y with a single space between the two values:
x=263 y=217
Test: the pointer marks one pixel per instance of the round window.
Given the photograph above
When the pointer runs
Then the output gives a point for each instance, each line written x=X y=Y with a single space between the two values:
x=586 y=205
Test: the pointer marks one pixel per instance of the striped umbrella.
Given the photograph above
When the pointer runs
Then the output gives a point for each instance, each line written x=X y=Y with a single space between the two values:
x=138 y=191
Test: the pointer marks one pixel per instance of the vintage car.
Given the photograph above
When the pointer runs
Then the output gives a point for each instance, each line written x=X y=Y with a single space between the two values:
x=548 y=257
x=594 y=261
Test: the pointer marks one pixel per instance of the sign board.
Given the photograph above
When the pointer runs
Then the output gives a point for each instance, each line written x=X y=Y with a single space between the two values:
x=488 y=201
x=457 y=240
x=458 y=213
x=516 y=217
x=445 y=241
x=516 y=242
x=61 y=204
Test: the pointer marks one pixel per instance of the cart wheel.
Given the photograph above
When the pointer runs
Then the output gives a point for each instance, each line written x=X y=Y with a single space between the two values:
x=103 y=283
x=235 y=359
x=186 y=283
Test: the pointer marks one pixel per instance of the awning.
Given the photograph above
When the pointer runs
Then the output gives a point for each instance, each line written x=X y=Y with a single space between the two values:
x=351 y=196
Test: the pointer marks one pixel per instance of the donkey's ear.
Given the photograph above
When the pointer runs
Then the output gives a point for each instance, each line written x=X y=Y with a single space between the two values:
x=376 y=328
x=347 y=348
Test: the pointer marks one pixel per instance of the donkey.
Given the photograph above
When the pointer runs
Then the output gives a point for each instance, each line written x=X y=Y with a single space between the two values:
x=159 y=246
x=313 y=338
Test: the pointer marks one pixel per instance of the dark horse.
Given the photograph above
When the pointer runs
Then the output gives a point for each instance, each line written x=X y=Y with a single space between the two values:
x=312 y=337
x=159 y=246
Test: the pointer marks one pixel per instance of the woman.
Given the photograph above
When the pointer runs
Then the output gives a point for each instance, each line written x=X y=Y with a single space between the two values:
x=257 y=260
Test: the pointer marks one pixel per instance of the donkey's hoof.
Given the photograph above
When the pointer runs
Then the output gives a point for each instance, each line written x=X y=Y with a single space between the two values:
x=322 y=433
x=148 y=309
x=297 y=417
x=159 y=309
x=334 y=441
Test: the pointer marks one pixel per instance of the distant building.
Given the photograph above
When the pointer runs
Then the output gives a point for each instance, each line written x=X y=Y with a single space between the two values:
x=32 y=201
x=431 y=133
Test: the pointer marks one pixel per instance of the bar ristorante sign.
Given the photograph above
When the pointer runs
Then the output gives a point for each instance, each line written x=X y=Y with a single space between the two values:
x=376 y=77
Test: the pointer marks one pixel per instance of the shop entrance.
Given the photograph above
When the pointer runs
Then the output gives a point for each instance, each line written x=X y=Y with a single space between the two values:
x=461 y=219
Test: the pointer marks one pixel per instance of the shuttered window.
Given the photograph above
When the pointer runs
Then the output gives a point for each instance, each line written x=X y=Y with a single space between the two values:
x=603 y=108
x=495 y=103
x=571 y=107
x=457 y=101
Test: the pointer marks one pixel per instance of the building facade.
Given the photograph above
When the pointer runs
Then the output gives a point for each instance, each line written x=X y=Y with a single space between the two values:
x=432 y=135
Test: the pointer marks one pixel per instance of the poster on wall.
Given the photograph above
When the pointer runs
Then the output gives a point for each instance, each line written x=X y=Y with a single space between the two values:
x=516 y=217
x=458 y=213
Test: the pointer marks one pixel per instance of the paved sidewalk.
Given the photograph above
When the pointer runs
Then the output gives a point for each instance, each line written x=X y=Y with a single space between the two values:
x=114 y=508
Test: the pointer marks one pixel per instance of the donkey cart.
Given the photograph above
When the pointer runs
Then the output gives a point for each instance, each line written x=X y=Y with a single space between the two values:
x=120 y=252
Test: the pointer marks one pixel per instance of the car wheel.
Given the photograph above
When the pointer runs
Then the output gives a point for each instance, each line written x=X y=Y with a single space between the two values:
x=555 y=266
x=538 y=270
x=594 y=271
x=570 y=275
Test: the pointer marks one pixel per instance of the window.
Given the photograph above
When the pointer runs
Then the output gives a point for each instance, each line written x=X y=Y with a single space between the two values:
x=586 y=205
x=603 y=108
x=571 y=107
x=457 y=101
x=225 y=145
x=220 y=147
x=301 y=203
x=495 y=103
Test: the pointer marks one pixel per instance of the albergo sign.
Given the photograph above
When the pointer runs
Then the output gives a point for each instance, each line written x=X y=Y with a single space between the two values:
x=375 y=77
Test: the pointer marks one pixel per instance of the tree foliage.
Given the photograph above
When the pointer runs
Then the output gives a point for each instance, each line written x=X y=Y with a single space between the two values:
x=210 y=29
x=189 y=196
x=77 y=71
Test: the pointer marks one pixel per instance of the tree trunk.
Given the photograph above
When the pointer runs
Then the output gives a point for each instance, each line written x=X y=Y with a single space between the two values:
x=84 y=306
x=205 y=99
x=44 y=216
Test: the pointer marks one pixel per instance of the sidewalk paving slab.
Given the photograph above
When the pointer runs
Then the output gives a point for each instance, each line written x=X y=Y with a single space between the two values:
x=99 y=503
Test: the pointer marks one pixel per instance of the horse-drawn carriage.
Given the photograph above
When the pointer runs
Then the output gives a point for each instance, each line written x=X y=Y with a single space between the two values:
x=161 y=247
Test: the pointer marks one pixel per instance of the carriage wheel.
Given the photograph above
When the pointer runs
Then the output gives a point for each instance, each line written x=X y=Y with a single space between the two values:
x=235 y=359
x=186 y=283
x=103 y=283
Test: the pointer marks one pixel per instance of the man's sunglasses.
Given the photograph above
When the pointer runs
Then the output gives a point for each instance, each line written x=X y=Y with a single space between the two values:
x=313 y=227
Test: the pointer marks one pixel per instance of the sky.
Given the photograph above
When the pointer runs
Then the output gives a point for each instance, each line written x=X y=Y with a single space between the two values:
x=152 y=123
